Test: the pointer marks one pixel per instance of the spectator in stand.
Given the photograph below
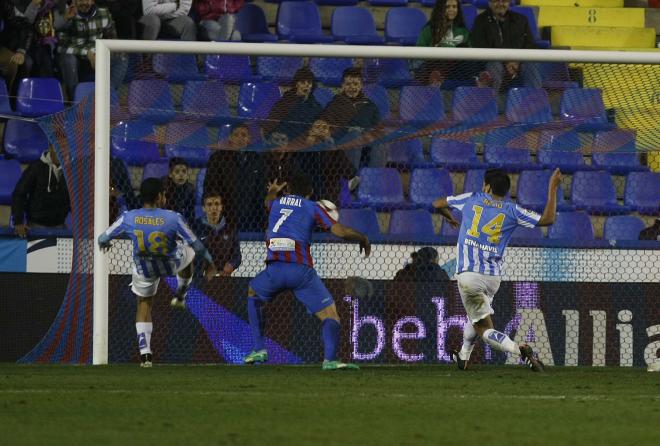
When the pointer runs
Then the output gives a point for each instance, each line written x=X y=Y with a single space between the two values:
x=652 y=232
x=351 y=112
x=15 y=40
x=423 y=268
x=46 y=17
x=497 y=27
x=40 y=198
x=169 y=18
x=76 y=45
x=179 y=193
x=445 y=28
x=126 y=14
x=217 y=19
x=218 y=237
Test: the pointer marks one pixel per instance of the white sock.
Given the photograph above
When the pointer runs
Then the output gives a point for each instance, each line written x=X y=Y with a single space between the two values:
x=182 y=283
x=500 y=341
x=144 y=330
x=469 y=336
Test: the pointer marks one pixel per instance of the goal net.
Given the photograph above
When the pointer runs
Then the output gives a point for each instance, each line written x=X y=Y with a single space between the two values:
x=382 y=132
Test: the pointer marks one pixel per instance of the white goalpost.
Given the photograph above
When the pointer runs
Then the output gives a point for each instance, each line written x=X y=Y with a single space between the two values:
x=106 y=48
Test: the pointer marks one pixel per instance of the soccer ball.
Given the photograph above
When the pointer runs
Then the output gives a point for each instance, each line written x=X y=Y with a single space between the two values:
x=330 y=208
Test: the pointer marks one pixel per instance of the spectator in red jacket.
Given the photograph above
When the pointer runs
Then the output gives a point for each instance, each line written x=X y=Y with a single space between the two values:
x=217 y=19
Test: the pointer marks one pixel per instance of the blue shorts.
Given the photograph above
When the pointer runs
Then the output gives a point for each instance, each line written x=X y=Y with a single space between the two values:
x=301 y=279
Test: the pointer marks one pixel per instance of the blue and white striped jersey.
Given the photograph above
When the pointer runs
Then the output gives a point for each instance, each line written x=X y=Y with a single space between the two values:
x=155 y=234
x=486 y=229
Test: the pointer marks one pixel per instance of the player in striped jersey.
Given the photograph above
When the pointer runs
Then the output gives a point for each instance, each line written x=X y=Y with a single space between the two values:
x=292 y=218
x=487 y=225
x=163 y=245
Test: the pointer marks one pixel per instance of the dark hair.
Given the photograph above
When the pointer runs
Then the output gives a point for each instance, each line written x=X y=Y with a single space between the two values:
x=425 y=255
x=211 y=194
x=498 y=181
x=300 y=184
x=149 y=190
x=351 y=72
x=303 y=74
x=176 y=161
x=439 y=26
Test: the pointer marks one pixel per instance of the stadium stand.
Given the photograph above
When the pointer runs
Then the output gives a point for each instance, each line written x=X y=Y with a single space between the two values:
x=251 y=23
x=511 y=159
x=256 y=99
x=405 y=154
x=354 y=25
x=403 y=25
x=387 y=72
x=150 y=100
x=417 y=112
x=206 y=101
x=532 y=191
x=411 y=223
x=364 y=220
x=24 y=140
x=594 y=192
x=128 y=142
x=328 y=70
x=615 y=151
x=155 y=170
x=643 y=192
x=278 y=69
x=192 y=140
x=380 y=188
x=39 y=97
x=11 y=172
x=300 y=22
x=528 y=106
x=572 y=227
x=229 y=69
x=454 y=155
x=474 y=105
x=177 y=68
x=427 y=185
x=622 y=227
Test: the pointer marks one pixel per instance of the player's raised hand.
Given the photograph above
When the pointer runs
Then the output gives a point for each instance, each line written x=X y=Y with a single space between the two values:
x=555 y=179
x=365 y=246
x=275 y=188
x=452 y=222
x=105 y=247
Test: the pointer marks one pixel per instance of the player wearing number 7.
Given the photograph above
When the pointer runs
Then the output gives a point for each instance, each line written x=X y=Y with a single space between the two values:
x=487 y=224
x=291 y=221
x=163 y=245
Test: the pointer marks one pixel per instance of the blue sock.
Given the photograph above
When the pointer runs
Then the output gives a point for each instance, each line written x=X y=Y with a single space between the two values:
x=255 y=315
x=330 y=335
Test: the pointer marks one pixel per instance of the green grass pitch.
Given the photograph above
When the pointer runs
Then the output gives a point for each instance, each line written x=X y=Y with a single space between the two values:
x=273 y=405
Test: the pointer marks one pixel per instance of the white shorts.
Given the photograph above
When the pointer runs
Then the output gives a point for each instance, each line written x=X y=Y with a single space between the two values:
x=146 y=287
x=477 y=292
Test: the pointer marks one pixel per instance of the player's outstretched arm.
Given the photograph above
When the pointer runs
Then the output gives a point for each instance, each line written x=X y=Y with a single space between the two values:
x=351 y=235
x=550 y=211
x=111 y=233
x=274 y=189
x=443 y=207
x=202 y=252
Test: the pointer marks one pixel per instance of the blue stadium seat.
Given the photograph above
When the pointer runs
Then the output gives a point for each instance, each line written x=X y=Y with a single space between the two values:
x=511 y=159
x=528 y=106
x=199 y=186
x=39 y=96
x=363 y=220
x=354 y=25
x=5 y=106
x=427 y=185
x=584 y=108
x=205 y=101
x=336 y=2
x=381 y=188
x=24 y=140
x=469 y=14
x=405 y=154
x=573 y=226
x=177 y=67
x=531 y=19
x=622 y=227
x=378 y=95
x=229 y=68
x=387 y=72
x=514 y=136
x=474 y=105
x=256 y=99
x=533 y=191
x=524 y=233
x=300 y=22
x=454 y=155
x=328 y=70
x=188 y=140
x=134 y=142
x=594 y=192
x=616 y=152
x=388 y=3
x=252 y=24
x=555 y=76
x=643 y=192
x=10 y=172
x=155 y=170
x=421 y=106
x=278 y=69
x=83 y=89
x=150 y=100
x=560 y=148
x=474 y=180
x=411 y=223
x=446 y=230
x=403 y=25
x=323 y=95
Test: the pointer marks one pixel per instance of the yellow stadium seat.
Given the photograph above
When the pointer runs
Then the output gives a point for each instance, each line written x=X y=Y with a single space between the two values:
x=653 y=161
x=572 y=16
x=606 y=48
x=603 y=36
x=580 y=3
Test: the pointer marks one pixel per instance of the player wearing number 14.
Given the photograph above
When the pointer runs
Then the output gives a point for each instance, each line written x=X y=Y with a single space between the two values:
x=163 y=245
x=487 y=225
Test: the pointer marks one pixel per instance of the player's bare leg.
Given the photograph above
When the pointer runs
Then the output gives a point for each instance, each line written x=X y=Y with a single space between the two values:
x=330 y=335
x=259 y=353
x=183 y=279
x=503 y=343
x=144 y=327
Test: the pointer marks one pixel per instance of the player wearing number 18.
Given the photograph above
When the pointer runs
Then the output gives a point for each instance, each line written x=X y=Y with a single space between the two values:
x=292 y=218
x=163 y=245
x=487 y=225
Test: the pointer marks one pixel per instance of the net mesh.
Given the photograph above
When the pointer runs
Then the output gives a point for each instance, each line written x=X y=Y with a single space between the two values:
x=382 y=139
